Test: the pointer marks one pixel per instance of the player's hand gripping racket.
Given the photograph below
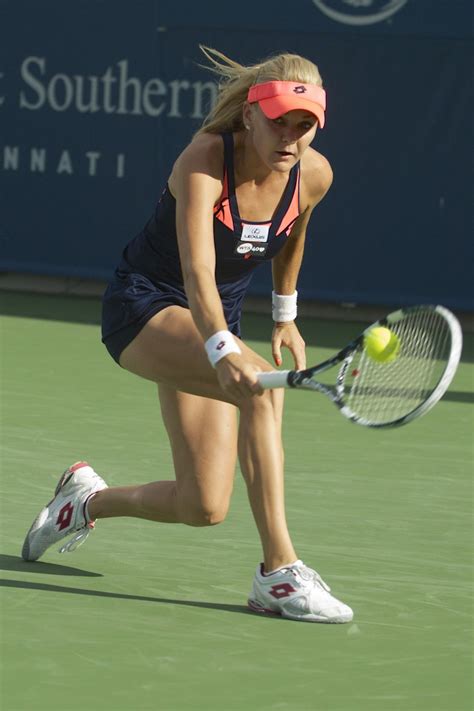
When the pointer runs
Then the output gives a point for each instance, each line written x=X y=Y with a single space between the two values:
x=405 y=386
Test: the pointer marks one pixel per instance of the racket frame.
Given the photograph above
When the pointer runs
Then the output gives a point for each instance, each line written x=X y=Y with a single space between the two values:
x=304 y=379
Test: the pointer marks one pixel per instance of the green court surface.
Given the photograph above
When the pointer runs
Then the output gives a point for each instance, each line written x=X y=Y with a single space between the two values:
x=150 y=616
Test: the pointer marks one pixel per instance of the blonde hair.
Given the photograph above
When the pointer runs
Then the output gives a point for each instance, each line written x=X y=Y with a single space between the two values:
x=236 y=79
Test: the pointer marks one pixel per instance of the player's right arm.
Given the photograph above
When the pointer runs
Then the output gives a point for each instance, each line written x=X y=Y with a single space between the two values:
x=196 y=183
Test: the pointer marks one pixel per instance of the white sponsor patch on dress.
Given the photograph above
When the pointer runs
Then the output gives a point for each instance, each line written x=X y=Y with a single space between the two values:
x=255 y=233
x=248 y=249
x=243 y=248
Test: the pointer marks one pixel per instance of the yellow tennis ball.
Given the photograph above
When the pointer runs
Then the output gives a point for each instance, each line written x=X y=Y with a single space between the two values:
x=381 y=344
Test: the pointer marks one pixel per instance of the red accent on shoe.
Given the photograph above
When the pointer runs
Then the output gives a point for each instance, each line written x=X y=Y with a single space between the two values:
x=282 y=590
x=262 y=610
x=65 y=516
x=77 y=465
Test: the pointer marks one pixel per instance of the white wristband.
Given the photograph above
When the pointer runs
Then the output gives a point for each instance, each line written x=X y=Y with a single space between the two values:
x=284 y=306
x=219 y=345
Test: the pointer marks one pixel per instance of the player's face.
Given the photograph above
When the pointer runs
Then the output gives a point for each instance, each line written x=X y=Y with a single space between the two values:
x=281 y=142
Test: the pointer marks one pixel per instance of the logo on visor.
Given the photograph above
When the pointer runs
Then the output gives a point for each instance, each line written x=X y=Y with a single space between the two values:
x=300 y=89
x=359 y=12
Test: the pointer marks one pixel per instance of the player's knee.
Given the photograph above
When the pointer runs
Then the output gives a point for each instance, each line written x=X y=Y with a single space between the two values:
x=203 y=514
x=270 y=401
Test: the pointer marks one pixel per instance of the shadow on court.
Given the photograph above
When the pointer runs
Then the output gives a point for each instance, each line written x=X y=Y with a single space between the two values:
x=13 y=562
x=459 y=396
x=87 y=310
x=44 y=587
x=322 y=332
x=51 y=307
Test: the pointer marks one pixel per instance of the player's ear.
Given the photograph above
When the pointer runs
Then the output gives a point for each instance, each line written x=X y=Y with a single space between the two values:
x=247 y=115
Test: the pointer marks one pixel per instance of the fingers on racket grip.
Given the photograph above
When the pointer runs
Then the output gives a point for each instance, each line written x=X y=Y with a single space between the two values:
x=274 y=379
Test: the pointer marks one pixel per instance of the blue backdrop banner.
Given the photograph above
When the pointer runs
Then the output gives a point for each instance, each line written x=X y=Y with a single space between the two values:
x=98 y=97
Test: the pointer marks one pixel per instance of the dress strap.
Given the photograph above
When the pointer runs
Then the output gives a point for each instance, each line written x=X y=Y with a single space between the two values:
x=227 y=210
x=289 y=209
x=229 y=167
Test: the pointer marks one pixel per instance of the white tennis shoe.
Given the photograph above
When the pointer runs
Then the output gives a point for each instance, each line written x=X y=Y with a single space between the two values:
x=298 y=593
x=65 y=513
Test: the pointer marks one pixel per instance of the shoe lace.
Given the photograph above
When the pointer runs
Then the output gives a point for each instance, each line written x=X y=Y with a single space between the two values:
x=78 y=539
x=311 y=575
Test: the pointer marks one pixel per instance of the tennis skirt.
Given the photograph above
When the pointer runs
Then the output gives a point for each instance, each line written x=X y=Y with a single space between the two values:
x=131 y=300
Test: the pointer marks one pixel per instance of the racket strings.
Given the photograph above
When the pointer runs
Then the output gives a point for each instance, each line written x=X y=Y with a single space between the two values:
x=383 y=392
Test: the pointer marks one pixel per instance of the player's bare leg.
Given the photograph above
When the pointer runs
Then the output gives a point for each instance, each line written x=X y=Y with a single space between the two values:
x=203 y=437
x=169 y=350
x=261 y=461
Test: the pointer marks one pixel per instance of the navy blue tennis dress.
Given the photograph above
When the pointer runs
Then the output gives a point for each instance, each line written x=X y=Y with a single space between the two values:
x=149 y=277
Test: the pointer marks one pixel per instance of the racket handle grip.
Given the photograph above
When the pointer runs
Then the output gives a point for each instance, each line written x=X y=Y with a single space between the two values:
x=274 y=379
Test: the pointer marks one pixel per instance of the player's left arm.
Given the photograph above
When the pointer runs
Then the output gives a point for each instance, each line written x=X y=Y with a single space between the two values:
x=316 y=179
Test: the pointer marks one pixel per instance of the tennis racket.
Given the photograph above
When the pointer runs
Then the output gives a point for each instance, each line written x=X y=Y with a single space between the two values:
x=388 y=394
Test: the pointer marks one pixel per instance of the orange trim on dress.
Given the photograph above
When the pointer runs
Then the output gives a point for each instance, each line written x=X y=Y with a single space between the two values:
x=223 y=213
x=293 y=212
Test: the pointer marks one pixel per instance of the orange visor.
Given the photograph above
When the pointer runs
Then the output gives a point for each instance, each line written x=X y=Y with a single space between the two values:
x=276 y=98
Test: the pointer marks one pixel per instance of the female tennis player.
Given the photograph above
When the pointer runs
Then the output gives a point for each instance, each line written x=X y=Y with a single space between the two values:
x=240 y=193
